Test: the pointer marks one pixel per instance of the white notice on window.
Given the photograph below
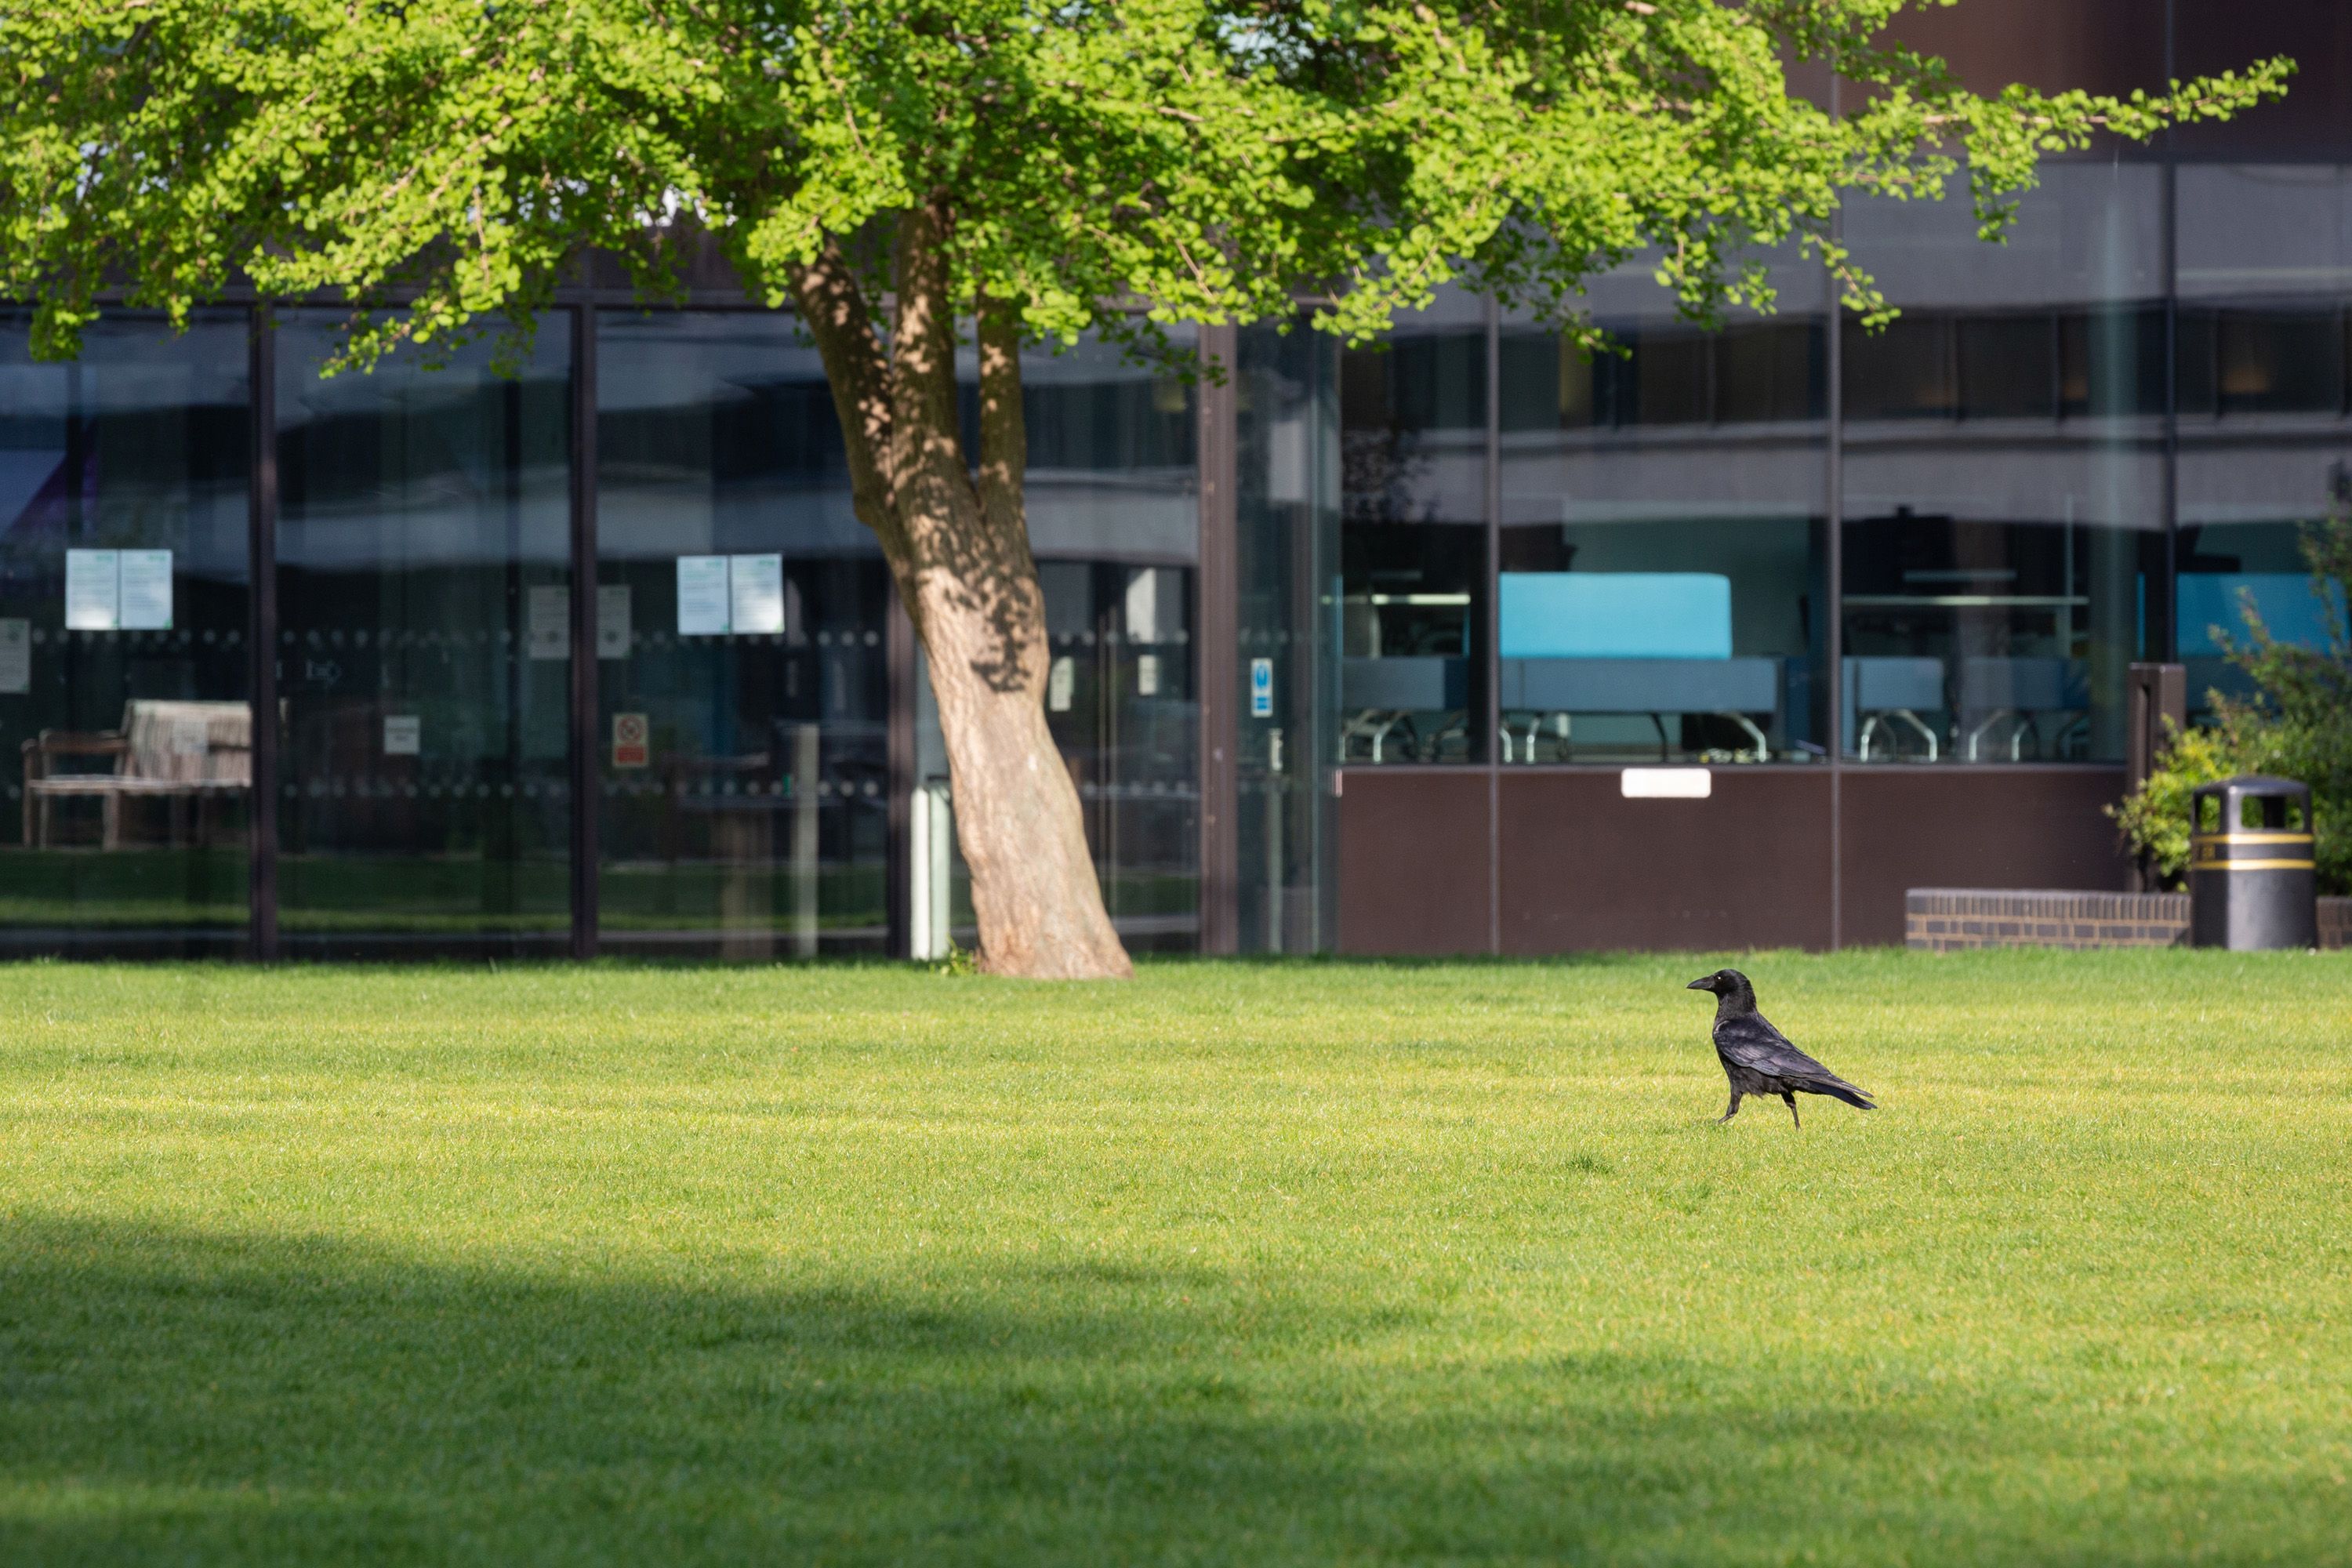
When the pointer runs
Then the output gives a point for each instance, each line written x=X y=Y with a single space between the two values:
x=758 y=582
x=15 y=657
x=93 y=583
x=404 y=735
x=1061 y=679
x=1147 y=675
x=702 y=595
x=145 y=598
x=548 y=629
x=613 y=625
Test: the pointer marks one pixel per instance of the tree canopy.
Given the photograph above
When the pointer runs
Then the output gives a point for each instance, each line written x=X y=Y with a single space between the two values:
x=440 y=163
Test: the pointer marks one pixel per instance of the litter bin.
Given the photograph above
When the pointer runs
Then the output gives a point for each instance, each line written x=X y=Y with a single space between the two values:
x=2251 y=882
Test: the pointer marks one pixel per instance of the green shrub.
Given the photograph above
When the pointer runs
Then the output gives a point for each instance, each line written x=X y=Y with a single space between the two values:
x=2299 y=726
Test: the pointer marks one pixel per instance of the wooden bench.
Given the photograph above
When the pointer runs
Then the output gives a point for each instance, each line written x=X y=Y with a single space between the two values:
x=187 y=754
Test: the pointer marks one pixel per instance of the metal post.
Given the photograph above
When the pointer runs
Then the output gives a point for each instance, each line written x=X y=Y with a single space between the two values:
x=1216 y=633
x=2163 y=636
x=1834 y=636
x=586 y=741
x=261 y=633
x=1491 y=660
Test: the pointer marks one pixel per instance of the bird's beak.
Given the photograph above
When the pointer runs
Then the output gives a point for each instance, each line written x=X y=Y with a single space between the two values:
x=1706 y=985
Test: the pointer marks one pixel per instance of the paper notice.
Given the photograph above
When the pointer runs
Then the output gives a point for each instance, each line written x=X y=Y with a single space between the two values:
x=613 y=629
x=702 y=595
x=144 y=602
x=1061 y=680
x=1147 y=675
x=548 y=629
x=758 y=593
x=15 y=657
x=404 y=735
x=93 y=586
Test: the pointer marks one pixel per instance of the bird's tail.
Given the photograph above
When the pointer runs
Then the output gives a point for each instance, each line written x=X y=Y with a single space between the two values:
x=1838 y=1088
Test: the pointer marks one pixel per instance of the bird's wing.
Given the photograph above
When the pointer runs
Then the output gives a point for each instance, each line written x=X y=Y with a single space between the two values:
x=1746 y=1040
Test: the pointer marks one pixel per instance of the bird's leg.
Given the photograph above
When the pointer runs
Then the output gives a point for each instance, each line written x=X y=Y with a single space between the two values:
x=1790 y=1100
x=1730 y=1112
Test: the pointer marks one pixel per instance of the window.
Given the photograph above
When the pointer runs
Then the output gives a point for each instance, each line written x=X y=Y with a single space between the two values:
x=1412 y=561
x=124 y=725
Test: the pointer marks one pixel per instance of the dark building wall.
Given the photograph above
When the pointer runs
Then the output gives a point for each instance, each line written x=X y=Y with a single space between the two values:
x=1582 y=868
x=1579 y=867
x=1413 y=858
x=1972 y=828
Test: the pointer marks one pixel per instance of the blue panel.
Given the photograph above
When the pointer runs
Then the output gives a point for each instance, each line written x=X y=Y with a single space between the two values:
x=2288 y=607
x=1642 y=685
x=1615 y=615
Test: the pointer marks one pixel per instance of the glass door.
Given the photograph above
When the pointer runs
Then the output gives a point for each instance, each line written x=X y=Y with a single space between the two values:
x=423 y=549
x=743 y=737
x=125 y=727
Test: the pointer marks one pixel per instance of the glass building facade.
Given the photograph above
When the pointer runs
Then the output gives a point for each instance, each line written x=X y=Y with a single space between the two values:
x=1351 y=648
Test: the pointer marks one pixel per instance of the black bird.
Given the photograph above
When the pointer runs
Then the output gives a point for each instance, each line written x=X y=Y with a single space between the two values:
x=1757 y=1058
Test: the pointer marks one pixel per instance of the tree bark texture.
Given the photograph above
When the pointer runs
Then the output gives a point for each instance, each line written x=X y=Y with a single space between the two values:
x=957 y=548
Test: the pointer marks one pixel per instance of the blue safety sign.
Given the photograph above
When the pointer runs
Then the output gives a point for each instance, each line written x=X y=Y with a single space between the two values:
x=1261 y=689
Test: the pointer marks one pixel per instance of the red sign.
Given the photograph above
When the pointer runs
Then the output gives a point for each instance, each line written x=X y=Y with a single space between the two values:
x=632 y=740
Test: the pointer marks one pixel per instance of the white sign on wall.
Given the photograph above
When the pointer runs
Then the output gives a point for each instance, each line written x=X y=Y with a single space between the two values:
x=1665 y=783
x=702 y=596
x=614 y=626
x=404 y=735
x=547 y=632
x=15 y=657
x=93 y=590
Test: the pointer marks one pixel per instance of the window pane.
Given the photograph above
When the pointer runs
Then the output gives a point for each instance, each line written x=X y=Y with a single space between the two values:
x=1660 y=584
x=124 y=604
x=2008 y=366
x=2266 y=252
x=742 y=677
x=1995 y=582
x=1287 y=539
x=424 y=551
x=1413 y=540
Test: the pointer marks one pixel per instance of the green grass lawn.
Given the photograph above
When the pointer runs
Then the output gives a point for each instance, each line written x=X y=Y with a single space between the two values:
x=1305 y=1263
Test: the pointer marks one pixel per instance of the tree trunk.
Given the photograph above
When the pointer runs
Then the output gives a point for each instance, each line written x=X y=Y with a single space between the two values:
x=957 y=548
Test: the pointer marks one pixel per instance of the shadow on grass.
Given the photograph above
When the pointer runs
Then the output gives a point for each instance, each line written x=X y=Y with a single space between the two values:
x=203 y=1398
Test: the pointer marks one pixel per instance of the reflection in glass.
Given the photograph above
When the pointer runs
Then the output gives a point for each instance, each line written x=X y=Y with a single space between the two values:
x=1661 y=572
x=2266 y=439
x=2003 y=475
x=1120 y=704
x=125 y=736
x=423 y=548
x=743 y=742
x=1287 y=519
x=1413 y=572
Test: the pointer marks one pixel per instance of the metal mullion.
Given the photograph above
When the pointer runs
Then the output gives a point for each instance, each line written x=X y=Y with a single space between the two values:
x=1493 y=652
x=586 y=845
x=2167 y=639
x=1833 y=634
x=261 y=633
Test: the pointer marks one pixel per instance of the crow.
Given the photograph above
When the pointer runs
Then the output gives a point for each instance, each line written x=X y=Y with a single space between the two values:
x=1757 y=1058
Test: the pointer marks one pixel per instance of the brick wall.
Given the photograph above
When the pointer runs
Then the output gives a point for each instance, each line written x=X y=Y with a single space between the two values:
x=1941 y=920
